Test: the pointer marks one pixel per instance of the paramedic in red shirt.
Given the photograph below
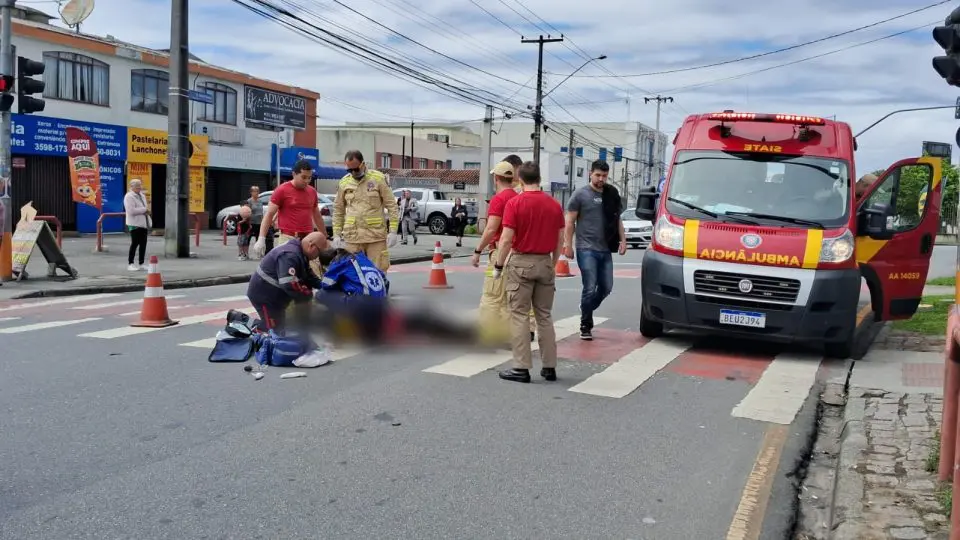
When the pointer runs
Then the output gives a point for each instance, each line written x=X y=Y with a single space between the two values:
x=294 y=205
x=533 y=226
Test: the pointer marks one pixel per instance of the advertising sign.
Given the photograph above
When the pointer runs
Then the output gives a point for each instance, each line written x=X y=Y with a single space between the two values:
x=291 y=155
x=150 y=146
x=274 y=108
x=84 y=168
x=198 y=188
x=45 y=136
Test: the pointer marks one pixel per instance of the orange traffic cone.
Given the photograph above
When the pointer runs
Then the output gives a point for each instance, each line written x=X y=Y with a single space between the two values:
x=154 y=313
x=438 y=276
x=563 y=267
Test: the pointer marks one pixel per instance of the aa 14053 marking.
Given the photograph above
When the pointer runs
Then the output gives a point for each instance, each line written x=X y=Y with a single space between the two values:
x=905 y=275
x=751 y=257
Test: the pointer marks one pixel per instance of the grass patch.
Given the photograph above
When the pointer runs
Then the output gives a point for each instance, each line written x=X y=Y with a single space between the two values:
x=945 y=497
x=943 y=281
x=933 y=458
x=929 y=320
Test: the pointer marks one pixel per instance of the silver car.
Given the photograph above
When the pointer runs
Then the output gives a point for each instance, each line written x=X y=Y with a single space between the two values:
x=230 y=213
x=637 y=231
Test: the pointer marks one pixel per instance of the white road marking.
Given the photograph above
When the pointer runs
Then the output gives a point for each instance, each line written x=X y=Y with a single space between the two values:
x=634 y=369
x=228 y=299
x=781 y=390
x=45 y=325
x=115 y=333
x=169 y=308
x=469 y=365
x=8 y=319
x=62 y=300
x=122 y=303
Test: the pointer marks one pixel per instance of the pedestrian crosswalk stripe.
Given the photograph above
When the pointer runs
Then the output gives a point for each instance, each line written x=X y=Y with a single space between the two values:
x=8 y=319
x=781 y=390
x=62 y=300
x=228 y=299
x=122 y=303
x=45 y=325
x=124 y=331
x=169 y=308
x=634 y=369
x=469 y=365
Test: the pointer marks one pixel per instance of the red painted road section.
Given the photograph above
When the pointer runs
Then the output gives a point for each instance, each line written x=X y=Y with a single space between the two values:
x=720 y=365
x=422 y=269
x=608 y=346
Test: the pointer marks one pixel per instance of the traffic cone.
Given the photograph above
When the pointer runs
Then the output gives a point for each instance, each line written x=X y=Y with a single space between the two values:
x=563 y=267
x=154 y=313
x=438 y=276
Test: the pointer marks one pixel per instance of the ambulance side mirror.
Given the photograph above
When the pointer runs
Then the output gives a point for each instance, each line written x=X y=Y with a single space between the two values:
x=647 y=203
x=873 y=221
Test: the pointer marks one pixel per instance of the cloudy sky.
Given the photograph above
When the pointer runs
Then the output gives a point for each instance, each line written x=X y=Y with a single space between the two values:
x=475 y=46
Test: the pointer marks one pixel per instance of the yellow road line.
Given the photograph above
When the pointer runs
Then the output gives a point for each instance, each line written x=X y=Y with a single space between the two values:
x=748 y=519
x=863 y=314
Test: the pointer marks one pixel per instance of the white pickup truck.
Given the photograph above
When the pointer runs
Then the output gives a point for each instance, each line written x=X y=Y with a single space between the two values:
x=434 y=209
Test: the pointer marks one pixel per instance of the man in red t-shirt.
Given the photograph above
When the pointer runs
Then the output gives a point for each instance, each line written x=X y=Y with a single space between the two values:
x=294 y=205
x=533 y=226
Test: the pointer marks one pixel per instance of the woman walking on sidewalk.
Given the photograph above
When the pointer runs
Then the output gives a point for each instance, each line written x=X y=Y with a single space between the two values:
x=138 y=223
x=459 y=215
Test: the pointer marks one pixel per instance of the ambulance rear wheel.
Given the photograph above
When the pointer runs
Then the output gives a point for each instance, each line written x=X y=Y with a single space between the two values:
x=649 y=328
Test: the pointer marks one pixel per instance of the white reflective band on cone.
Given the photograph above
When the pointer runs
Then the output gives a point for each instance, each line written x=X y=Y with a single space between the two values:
x=436 y=266
x=153 y=292
x=151 y=269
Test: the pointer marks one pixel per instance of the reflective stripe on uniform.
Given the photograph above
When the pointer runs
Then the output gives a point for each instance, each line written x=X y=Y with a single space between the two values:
x=288 y=279
x=270 y=281
x=360 y=275
x=327 y=281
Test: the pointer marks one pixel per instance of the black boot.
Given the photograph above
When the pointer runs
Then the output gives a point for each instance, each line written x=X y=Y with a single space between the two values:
x=549 y=373
x=516 y=375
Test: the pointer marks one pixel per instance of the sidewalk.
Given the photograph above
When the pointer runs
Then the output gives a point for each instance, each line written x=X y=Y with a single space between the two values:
x=872 y=474
x=212 y=264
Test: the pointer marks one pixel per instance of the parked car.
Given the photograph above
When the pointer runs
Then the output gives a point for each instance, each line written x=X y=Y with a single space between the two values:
x=434 y=209
x=230 y=213
x=637 y=231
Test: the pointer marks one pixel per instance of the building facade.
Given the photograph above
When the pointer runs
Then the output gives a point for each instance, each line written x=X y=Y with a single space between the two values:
x=381 y=150
x=117 y=92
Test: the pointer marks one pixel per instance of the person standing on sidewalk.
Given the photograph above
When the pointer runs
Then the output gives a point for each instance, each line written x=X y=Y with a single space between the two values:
x=533 y=235
x=594 y=214
x=294 y=206
x=256 y=218
x=408 y=217
x=358 y=220
x=138 y=223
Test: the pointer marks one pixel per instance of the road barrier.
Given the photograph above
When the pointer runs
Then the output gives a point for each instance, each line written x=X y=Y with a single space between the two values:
x=100 y=219
x=949 y=466
x=57 y=225
x=196 y=225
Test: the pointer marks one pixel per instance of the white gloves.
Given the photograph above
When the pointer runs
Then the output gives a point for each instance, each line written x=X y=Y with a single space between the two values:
x=260 y=247
x=337 y=243
x=391 y=240
x=497 y=272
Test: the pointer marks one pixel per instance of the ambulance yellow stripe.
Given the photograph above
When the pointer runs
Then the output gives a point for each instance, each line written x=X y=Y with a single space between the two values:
x=811 y=253
x=690 y=230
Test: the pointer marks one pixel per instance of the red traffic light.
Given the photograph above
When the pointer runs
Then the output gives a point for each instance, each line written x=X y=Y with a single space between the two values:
x=6 y=83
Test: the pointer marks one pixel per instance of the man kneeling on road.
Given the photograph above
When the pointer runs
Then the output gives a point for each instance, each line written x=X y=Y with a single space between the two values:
x=284 y=277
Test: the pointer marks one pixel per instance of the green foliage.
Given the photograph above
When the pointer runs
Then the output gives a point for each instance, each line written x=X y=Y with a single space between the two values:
x=470 y=229
x=930 y=320
x=932 y=462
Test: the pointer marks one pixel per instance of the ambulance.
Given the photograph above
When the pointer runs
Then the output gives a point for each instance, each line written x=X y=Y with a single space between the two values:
x=758 y=232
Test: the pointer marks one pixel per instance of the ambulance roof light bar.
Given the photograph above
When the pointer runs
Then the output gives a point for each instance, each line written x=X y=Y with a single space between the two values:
x=730 y=116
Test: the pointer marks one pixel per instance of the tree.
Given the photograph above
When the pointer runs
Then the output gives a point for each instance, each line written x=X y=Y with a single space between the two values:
x=914 y=182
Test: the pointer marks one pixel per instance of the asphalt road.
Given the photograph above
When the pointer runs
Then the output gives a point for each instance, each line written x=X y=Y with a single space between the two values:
x=108 y=434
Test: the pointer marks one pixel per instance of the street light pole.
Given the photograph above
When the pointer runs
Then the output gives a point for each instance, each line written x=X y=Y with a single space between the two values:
x=176 y=236
x=538 y=112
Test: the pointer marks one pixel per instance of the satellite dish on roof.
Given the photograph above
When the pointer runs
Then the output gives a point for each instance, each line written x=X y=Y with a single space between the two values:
x=75 y=12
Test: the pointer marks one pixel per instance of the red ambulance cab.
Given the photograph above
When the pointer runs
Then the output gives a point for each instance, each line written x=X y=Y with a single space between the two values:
x=758 y=232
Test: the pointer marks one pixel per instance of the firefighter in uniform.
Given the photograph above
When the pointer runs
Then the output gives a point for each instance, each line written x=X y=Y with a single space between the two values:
x=515 y=160
x=358 y=212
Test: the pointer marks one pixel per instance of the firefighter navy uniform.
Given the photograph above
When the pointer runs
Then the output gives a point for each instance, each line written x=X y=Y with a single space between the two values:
x=283 y=278
x=358 y=215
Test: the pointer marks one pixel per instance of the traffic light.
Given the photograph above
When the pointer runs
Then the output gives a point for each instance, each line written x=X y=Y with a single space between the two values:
x=948 y=37
x=26 y=86
x=6 y=95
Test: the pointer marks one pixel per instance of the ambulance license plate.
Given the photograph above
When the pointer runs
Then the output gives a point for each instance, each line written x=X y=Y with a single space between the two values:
x=751 y=319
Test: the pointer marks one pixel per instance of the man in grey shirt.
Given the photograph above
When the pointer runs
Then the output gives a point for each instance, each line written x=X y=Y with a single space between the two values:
x=594 y=224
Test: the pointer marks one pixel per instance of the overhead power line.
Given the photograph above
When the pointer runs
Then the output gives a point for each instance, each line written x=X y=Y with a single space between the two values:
x=775 y=51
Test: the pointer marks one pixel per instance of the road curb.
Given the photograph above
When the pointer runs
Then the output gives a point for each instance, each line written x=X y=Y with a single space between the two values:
x=185 y=283
x=846 y=508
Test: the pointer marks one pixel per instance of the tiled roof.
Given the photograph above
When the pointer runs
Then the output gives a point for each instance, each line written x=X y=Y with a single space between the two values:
x=446 y=176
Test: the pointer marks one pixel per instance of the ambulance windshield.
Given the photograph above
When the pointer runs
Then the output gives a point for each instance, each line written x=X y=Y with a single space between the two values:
x=766 y=189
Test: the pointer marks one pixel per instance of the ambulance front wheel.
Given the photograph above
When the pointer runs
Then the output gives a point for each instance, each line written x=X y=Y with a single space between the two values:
x=649 y=329
x=843 y=349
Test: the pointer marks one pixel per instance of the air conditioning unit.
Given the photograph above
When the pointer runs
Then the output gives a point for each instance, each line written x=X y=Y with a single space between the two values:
x=220 y=134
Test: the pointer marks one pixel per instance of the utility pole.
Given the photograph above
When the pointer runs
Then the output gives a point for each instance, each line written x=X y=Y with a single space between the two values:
x=486 y=187
x=570 y=154
x=6 y=180
x=656 y=134
x=538 y=112
x=176 y=238
x=412 y=166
